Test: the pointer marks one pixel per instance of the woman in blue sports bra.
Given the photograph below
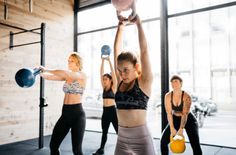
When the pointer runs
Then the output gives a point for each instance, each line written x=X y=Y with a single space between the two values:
x=73 y=116
x=132 y=94
x=109 y=84
x=177 y=105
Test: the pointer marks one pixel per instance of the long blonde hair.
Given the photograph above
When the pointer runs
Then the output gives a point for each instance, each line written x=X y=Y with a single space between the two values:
x=79 y=59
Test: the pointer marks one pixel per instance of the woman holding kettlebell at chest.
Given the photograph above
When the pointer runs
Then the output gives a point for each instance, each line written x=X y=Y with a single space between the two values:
x=73 y=116
x=177 y=105
x=134 y=89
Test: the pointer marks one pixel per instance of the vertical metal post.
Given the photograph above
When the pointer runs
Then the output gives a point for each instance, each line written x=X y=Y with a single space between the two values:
x=76 y=7
x=11 y=40
x=193 y=53
x=164 y=60
x=230 y=66
x=5 y=10
x=41 y=99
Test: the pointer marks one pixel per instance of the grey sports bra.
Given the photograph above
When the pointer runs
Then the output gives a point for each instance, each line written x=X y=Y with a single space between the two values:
x=73 y=88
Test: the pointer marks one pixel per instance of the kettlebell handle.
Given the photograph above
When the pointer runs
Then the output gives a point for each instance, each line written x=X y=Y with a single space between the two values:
x=172 y=138
x=131 y=16
x=37 y=71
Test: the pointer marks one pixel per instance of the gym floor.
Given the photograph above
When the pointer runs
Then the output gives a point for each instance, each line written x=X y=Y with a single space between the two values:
x=90 y=144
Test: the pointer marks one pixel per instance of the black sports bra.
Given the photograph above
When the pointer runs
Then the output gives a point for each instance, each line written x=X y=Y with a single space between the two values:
x=108 y=94
x=180 y=107
x=134 y=98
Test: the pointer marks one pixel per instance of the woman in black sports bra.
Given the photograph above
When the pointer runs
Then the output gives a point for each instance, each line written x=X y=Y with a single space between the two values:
x=109 y=84
x=132 y=94
x=177 y=105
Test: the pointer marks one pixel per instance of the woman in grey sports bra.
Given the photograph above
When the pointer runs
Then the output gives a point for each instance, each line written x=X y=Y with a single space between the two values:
x=177 y=105
x=73 y=116
x=134 y=89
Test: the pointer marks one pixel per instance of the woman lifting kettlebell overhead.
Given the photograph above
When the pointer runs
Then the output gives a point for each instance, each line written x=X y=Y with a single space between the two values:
x=133 y=91
x=109 y=84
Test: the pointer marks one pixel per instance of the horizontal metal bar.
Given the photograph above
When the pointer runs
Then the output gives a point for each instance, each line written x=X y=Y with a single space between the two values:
x=93 y=5
x=97 y=30
x=151 y=19
x=220 y=6
x=24 y=44
x=112 y=27
x=28 y=31
x=16 y=27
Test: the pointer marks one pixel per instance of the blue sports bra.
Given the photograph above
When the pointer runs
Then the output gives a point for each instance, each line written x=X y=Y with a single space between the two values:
x=73 y=88
x=108 y=94
x=134 y=98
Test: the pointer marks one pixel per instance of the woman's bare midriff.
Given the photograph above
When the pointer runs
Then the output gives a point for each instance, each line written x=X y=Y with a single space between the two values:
x=131 y=118
x=108 y=102
x=72 y=98
x=179 y=114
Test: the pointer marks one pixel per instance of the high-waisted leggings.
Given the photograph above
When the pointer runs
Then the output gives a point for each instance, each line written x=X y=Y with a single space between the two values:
x=134 y=141
x=73 y=117
x=108 y=116
x=191 y=128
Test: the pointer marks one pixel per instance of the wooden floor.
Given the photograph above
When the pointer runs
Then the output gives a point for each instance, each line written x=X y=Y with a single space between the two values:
x=90 y=144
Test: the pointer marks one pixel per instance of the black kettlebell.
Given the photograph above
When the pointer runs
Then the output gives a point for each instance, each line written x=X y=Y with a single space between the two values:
x=25 y=77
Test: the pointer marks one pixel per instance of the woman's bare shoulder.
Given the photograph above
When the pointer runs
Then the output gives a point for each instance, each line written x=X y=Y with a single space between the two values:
x=186 y=95
x=168 y=94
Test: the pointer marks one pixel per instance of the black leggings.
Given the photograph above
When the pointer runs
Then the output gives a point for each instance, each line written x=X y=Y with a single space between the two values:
x=108 y=116
x=73 y=117
x=191 y=128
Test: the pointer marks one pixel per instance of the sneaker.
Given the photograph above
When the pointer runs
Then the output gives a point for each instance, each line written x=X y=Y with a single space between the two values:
x=99 y=152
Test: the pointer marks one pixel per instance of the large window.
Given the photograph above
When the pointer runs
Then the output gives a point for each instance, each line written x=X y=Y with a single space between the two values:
x=201 y=49
x=187 y=5
x=92 y=56
x=102 y=31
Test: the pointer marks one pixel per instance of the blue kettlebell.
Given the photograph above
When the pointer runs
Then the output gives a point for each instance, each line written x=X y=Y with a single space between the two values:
x=25 y=77
x=106 y=50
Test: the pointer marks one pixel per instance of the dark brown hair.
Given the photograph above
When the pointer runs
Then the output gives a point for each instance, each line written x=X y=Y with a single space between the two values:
x=127 y=56
x=176 y=77
x=109 y=77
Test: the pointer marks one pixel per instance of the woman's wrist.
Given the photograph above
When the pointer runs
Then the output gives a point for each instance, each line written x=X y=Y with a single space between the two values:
x=121 y=27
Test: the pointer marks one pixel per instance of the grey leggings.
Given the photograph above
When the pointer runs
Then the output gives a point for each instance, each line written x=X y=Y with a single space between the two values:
x=134 y=141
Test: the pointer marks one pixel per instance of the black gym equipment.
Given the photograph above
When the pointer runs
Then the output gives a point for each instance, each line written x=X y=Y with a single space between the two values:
x=5 y=10
x=26 y=77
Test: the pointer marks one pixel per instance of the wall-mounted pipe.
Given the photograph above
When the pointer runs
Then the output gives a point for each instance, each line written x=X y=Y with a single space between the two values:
x=5 y=10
